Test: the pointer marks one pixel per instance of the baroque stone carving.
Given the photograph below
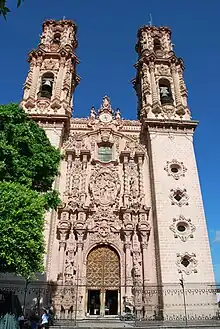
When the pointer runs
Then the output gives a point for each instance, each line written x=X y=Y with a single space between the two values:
x=187 y=263
x=168 y=111
x=175 y=168
x=50 y=64
x=163 y=70
x=182 y=228
x=103 y=268
x=179 y=197
x=42 y=105
x=104 y=185
x=75 y=142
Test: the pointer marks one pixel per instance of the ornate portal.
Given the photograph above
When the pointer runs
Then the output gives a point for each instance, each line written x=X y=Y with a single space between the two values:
x=103 y=268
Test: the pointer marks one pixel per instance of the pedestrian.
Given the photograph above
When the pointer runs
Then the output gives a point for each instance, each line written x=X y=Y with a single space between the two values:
x=44 y=319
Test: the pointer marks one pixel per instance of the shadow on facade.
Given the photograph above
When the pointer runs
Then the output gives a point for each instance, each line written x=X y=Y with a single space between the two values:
x=194 y=303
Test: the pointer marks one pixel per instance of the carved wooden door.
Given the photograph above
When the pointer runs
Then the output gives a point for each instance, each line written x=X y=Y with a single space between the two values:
x=103 y=268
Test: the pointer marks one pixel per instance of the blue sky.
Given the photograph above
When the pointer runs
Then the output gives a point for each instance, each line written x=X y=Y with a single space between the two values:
x=107 y=36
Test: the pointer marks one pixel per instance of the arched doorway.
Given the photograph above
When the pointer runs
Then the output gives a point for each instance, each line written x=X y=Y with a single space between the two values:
x=103 y=281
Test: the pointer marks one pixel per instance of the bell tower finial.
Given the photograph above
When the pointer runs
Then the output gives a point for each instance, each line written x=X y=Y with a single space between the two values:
x=159 y=83
x=52 y=77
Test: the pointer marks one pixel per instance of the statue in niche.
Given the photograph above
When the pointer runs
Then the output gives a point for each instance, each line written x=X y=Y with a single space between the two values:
x=69 y=271
x=133 y=187
x=137 y=265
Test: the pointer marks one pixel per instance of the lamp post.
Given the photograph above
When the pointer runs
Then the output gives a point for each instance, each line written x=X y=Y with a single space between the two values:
x=184 y=297
x=25 y=294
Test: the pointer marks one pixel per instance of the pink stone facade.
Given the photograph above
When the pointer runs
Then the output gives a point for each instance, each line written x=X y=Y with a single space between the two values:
x=130 y=189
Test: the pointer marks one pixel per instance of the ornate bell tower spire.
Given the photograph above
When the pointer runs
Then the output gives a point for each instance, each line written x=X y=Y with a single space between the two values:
x=52 y=77
x=159 y=81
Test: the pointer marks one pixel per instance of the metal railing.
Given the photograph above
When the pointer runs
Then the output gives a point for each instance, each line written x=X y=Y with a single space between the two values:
x=181 y=302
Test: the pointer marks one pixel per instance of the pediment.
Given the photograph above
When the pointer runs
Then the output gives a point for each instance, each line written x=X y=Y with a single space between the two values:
x=86 y=141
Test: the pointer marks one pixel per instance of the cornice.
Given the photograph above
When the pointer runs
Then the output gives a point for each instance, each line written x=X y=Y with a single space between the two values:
x=152 y=58
x=150 y=28
x=170 y=125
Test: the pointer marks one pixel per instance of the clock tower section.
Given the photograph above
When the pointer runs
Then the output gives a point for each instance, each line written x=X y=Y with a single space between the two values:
x=177 y=207
x=52 y=79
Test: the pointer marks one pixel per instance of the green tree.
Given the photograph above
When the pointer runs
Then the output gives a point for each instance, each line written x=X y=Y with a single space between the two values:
x=28 y=166
x=4 y=10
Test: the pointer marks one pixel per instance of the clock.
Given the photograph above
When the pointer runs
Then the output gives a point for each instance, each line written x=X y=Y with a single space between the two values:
x=105 y=117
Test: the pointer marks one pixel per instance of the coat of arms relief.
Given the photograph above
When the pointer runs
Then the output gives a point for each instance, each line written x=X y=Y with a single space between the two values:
x=104 y=186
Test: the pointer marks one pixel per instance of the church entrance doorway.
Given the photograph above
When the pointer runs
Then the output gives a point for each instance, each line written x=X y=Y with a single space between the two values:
x=103 y=281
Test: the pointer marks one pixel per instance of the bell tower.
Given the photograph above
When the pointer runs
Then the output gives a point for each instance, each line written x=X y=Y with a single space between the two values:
x=168 y=130
x=52 y=79
x=159 y=81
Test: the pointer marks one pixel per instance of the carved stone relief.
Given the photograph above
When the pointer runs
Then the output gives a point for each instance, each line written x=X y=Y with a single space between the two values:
x=50 y=64
x=75 y=142
x=179 y=197
x=187 y=263
x=104 y=185
x=182 y=228
x=175 y=168
x=163 y=70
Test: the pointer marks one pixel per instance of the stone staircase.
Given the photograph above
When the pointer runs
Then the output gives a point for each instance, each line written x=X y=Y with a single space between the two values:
x=108 y=323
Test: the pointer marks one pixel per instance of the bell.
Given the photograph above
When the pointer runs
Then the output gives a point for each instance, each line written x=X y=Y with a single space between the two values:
x=47 y=82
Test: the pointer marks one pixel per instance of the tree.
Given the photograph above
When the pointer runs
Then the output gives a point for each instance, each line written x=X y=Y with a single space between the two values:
x=28 y=166
x=4 y=10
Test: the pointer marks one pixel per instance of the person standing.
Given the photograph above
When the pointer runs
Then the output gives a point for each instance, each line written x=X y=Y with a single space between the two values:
x=45 y=319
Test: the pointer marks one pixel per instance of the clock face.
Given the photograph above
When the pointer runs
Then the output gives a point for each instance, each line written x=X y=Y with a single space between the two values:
x=105 y=117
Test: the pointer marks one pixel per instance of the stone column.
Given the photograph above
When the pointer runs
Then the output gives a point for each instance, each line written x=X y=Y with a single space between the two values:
x=146 y=265
x=79 y=256
x=126 y=182
x=35 y=77
x=68 y=173
x=85 y=155
x=153 y=83
x=128 y=265
x=140 y=157
x=176 y=84
x=62 y=245
x=59 y=79
x=79 y=281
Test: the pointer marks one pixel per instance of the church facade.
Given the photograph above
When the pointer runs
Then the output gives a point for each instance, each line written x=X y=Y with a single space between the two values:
x=132 y=221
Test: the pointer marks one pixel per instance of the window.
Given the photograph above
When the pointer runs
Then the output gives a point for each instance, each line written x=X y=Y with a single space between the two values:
x=46 y=88
x=157 y=45
x=105 y=153
x=185 y=262
x=165 y=92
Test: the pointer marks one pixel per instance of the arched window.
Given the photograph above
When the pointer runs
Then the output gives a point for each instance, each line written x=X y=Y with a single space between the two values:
x=105 y=153
x=165 y=92
x=157 y=45
x=46 y=88
x=56 y=38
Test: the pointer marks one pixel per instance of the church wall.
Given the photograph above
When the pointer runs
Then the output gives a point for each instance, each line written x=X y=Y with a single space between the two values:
x=174 y=246
x=151 y=257
x=180 y=148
